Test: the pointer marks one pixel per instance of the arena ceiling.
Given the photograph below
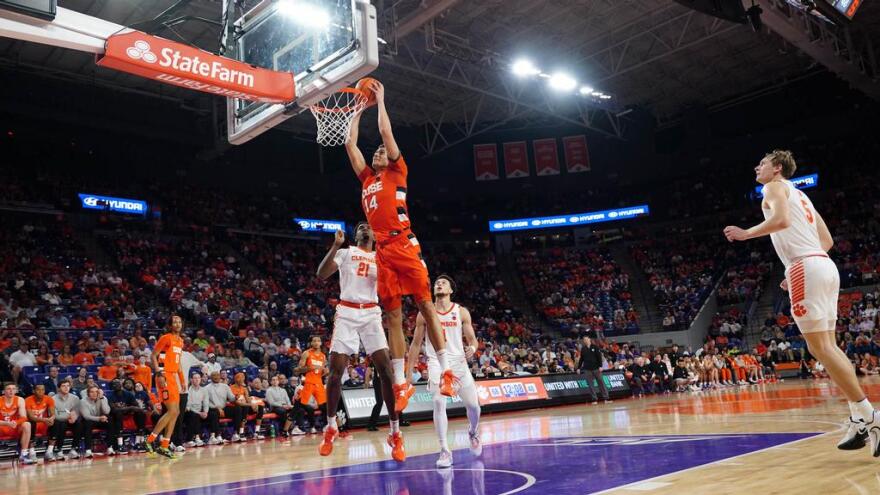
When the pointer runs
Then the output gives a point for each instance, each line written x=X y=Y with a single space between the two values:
x=446 y=63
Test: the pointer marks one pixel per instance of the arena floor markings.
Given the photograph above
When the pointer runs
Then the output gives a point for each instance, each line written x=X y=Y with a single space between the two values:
x=527 y=467
x=777 y=438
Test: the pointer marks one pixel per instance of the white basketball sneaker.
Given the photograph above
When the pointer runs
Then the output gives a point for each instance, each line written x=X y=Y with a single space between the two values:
x=873 y=428
x=855 y=437
x=445 y=459
x=476 y=443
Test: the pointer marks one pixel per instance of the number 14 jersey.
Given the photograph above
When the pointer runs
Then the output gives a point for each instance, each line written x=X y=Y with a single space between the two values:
x=357 y=275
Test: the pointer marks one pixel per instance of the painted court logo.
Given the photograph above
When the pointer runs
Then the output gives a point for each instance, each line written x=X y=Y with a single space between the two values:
x=141 y=51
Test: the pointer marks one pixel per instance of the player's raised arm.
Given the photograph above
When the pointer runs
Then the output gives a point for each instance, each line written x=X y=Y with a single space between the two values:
x=415 y=346
x=467 y=330
x=825 y=238
x=328 y=265
x=358 y=164
x=779 y=216
x=391 y=149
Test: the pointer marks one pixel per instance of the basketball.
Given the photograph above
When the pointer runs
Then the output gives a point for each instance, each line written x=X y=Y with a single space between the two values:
x=364 y=86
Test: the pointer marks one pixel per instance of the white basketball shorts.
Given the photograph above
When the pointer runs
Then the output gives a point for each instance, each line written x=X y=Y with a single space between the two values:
x=459 y=368
x=813 y=286
x=352 y=325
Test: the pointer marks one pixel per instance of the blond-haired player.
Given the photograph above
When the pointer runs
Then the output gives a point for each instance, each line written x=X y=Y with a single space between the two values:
x=455 y=321
x=802 y=241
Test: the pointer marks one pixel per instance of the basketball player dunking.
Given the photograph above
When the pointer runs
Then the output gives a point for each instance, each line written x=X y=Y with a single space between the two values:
x=358 y=319
x=802 y=241
x=399 y=260
x=457 y=327
x=170 y=345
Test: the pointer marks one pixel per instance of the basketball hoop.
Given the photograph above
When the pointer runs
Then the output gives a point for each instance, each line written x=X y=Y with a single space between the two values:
x=335 y=113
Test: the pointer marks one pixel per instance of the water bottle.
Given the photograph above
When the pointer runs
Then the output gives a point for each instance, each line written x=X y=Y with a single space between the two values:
x=272 y=430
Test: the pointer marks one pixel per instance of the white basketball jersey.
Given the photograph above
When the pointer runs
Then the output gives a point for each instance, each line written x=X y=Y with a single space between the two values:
x=801 y=238
x=450 y=322
x=357 y=275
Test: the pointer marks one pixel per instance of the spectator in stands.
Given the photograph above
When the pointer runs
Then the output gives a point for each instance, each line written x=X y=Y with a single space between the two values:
x=66 y=418
x=354 y=379
x=222 y=403
x=22 y=358
x=212 y=365
x=197 y=407
x=82 y=357
x=80 y=382
x=43 y=356
x=123 y=404
x=66 y=357
x=52 y=381
x=95 y=411
x=14 y=421
x=659 y=374
x=279 y=403
x=640 y=377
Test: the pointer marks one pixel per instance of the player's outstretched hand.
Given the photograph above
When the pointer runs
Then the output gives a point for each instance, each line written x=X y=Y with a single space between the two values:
x=734 y=233
x=784 y=284
x=339 y=238
x=379 y=90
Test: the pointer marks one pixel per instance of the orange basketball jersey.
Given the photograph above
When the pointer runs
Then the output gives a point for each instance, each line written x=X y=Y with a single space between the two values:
x=383 y=198
x=172 y=346
x=315 y=361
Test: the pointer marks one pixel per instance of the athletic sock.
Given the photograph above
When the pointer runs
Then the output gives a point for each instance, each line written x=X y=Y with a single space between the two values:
x=119 y=441
x=50 y=449
x=166 y=442
x=399 y=375
x=33 y=452
x=862 y=410
x=151 y=438
x=395 y=426
x=331 y=422
x=441 y=357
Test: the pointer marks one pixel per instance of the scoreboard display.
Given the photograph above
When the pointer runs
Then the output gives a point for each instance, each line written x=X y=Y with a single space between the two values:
x=43 y=9
x=847 y=8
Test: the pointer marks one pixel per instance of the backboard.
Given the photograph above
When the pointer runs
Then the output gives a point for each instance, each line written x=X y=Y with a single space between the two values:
x=326 y=44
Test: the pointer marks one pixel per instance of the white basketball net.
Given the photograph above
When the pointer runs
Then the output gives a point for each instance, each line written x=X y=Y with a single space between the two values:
x=334 y=115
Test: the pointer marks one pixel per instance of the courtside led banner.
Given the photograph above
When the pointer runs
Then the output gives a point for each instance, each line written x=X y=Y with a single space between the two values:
x=109 y=203
x=802 y=182
x=569 y=220
x=311 y=225
x=175 y=63
x=509 y=390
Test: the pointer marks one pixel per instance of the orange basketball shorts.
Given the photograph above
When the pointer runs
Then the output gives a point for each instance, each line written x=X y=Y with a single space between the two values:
x=402 y=271
x=313 y=389
x=171 y=393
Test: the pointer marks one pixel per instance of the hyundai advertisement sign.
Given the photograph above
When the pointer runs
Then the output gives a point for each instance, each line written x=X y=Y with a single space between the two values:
x=109 y=203
x=802 y=182
x=312 y=225
x=569 y=220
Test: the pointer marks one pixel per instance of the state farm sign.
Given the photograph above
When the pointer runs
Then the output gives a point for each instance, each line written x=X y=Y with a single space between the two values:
x=182 y=65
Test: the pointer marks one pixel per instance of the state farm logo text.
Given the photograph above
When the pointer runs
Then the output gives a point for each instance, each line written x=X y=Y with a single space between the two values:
x=169 y=57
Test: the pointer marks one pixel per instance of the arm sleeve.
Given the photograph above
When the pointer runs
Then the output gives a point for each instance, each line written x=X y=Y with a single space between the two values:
x=340 y=257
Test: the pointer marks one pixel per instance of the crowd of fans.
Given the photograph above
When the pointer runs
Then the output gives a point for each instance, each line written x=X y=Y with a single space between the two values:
x=579 y=290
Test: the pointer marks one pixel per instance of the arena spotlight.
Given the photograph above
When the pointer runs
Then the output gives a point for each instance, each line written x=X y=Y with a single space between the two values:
x=562 y=82
x=586 y=90
x=524 y=68
x=304 y=13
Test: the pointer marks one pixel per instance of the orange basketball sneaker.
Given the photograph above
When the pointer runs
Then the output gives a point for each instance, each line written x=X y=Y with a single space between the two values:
x=330 y=435
x=448 y=383
x=402 y=393
x=395 y=440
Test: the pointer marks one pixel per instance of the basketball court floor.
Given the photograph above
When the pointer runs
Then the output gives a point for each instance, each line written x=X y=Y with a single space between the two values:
x=768 y=439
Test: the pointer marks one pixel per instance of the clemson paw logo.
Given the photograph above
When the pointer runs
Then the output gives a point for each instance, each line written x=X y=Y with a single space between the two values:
x=799 y=310
x=141 y=50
